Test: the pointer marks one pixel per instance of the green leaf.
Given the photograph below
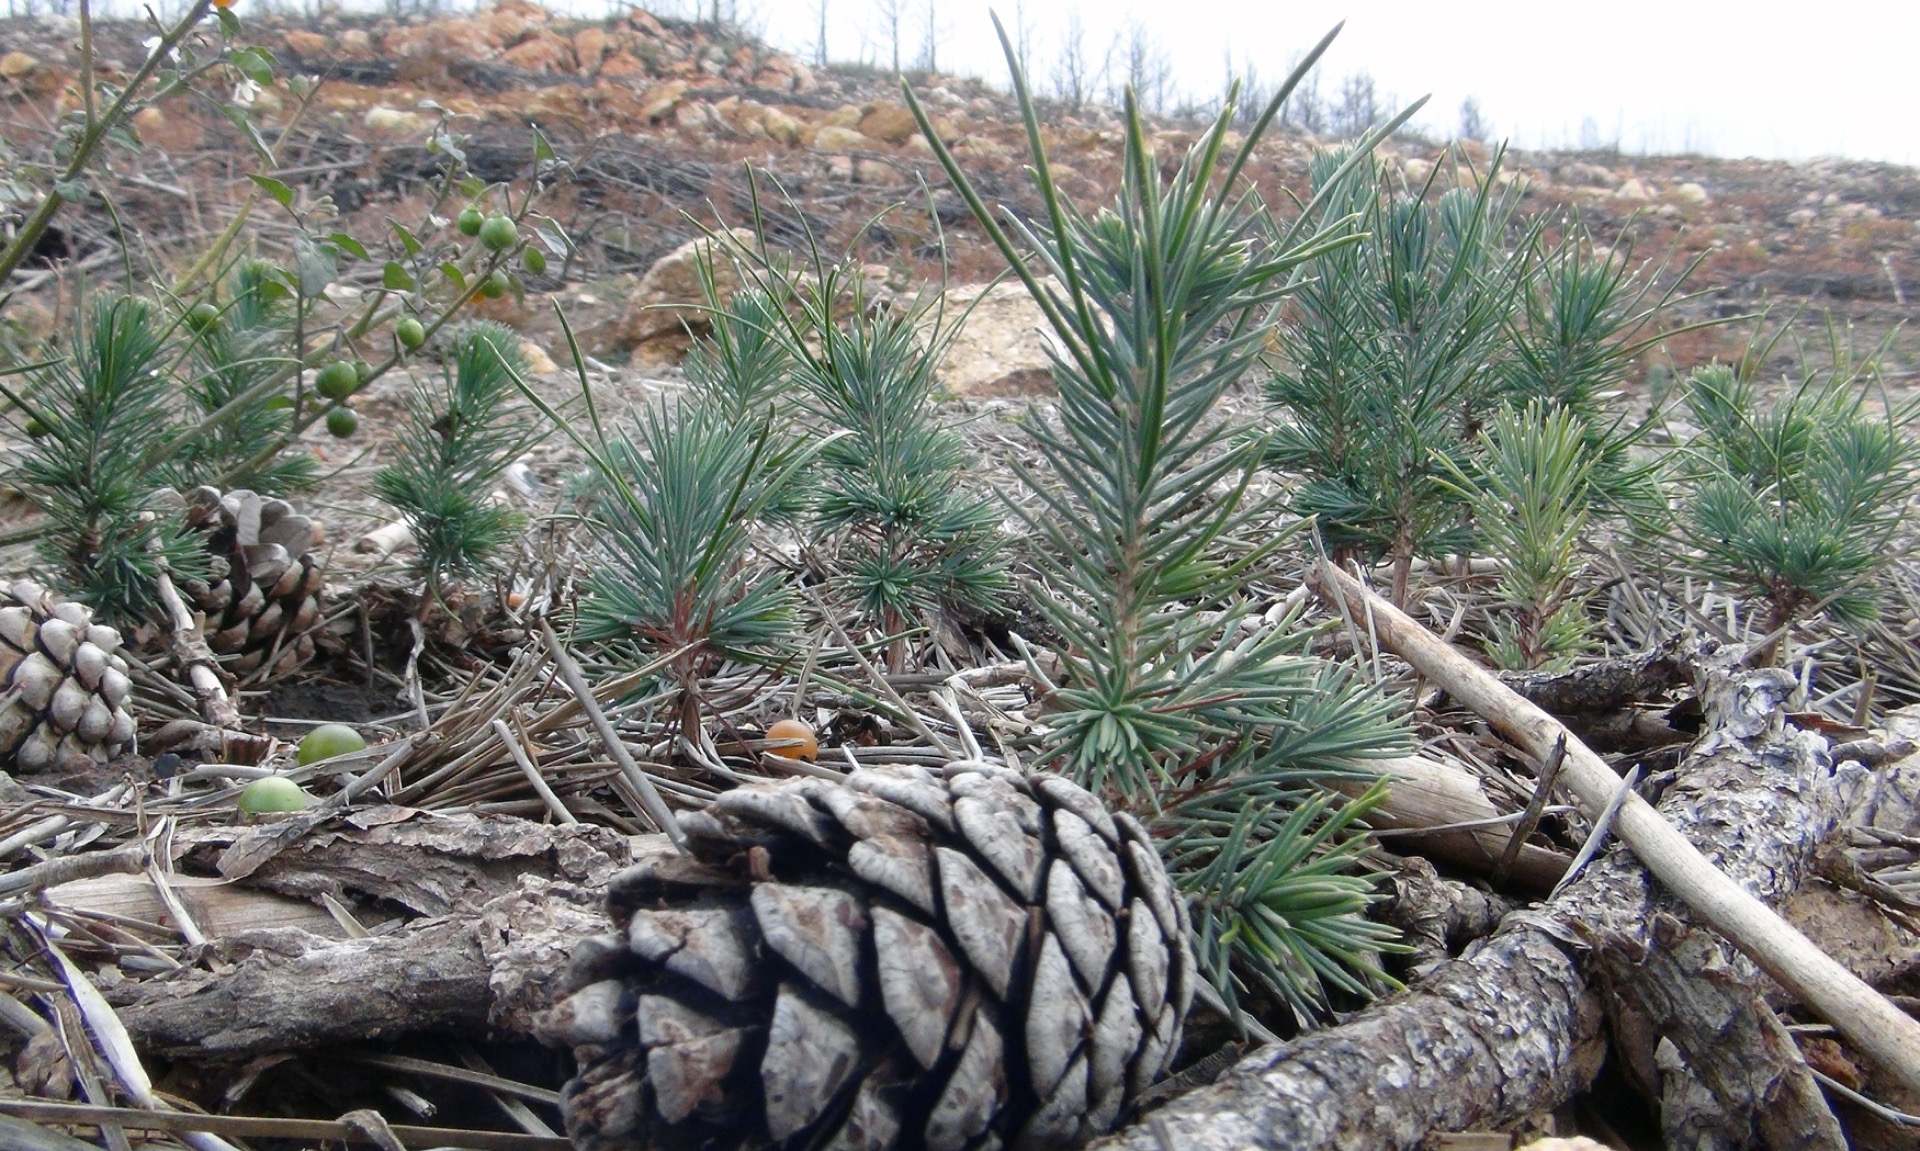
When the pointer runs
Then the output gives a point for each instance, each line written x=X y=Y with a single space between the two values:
x=395 y=277
x=274 y=188
x=255 y=63
x=553 y=236
x=318 y=263
x=279 y=404
x=237 y=116
x=472 y=187
x=408 y=240
x=347 y=243
x=453 y=273
x=72 y=191
x=229 y=22
x=542 y=151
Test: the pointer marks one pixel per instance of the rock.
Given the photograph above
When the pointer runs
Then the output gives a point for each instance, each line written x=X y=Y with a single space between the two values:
x=1416 y=171
x=355 y=44
x=845 y=116
x=1801 y=217
x=308 y=45
x=1634 y=189
x=537 y=360
x=1001 y=348
x=540 y=54
x=157 y=129
x=698 y=119
x=984 y=149
x=888 y=123
x=393 y=123
x=1691 y=193
x=834 y=138
x=622 y=63
x=661 y=99
x=877 y=172
x=779 y=126
x=590 y=46
x=669 y=298
x=512 y=21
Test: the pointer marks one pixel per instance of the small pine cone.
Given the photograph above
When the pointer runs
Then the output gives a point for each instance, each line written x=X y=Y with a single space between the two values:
x=949 y=961
x=262 y=602
x=63 y=683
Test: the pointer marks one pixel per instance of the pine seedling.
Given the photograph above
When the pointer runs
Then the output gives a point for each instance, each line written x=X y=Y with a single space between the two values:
x=1586 y=317
x=455 y=438
x=238 y=351
x=673 y=514
x=909 y=540
x=1389 y=361
x=887 y=499
x=1531 y=491
x=1797 y=503
x=91 y=417
x=1146 y=529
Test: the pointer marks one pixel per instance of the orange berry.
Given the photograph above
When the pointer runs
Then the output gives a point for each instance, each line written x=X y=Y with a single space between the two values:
x=804 y=746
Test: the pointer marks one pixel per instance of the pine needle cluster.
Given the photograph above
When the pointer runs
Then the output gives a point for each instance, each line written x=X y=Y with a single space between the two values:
x=1531 y=493
x=682 y=489
x=1148 y=540
x=454 y=439
x=1797 y=503
x=92 y=416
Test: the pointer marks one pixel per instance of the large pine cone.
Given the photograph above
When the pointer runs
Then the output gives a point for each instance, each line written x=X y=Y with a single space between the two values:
x=262 y=599
x=968 y=960
x=63 y=683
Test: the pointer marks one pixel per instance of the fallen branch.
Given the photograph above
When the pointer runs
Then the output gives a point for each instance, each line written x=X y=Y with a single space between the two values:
x=1515 y=1025
x=1863 y=1015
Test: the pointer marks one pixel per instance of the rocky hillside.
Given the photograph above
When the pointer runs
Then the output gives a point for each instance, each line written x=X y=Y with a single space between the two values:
x=663 y=121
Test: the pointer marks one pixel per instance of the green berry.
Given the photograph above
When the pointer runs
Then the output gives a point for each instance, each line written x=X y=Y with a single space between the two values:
x=272 y=794
x=495 y=285
x=36 y=427
x=469 y=221
x=337 y=380
x=342 y=422
x=534 y=260
x=329 y=739
x=411 y=333
x=499 y=233
x=202 y=316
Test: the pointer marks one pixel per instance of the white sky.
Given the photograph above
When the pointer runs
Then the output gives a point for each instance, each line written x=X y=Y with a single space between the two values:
x=1730 y=79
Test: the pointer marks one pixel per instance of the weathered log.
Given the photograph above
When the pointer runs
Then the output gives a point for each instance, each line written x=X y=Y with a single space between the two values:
x=1514 y=1026
x=284 y=989
x=1874 y=1026
x=504 y=900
